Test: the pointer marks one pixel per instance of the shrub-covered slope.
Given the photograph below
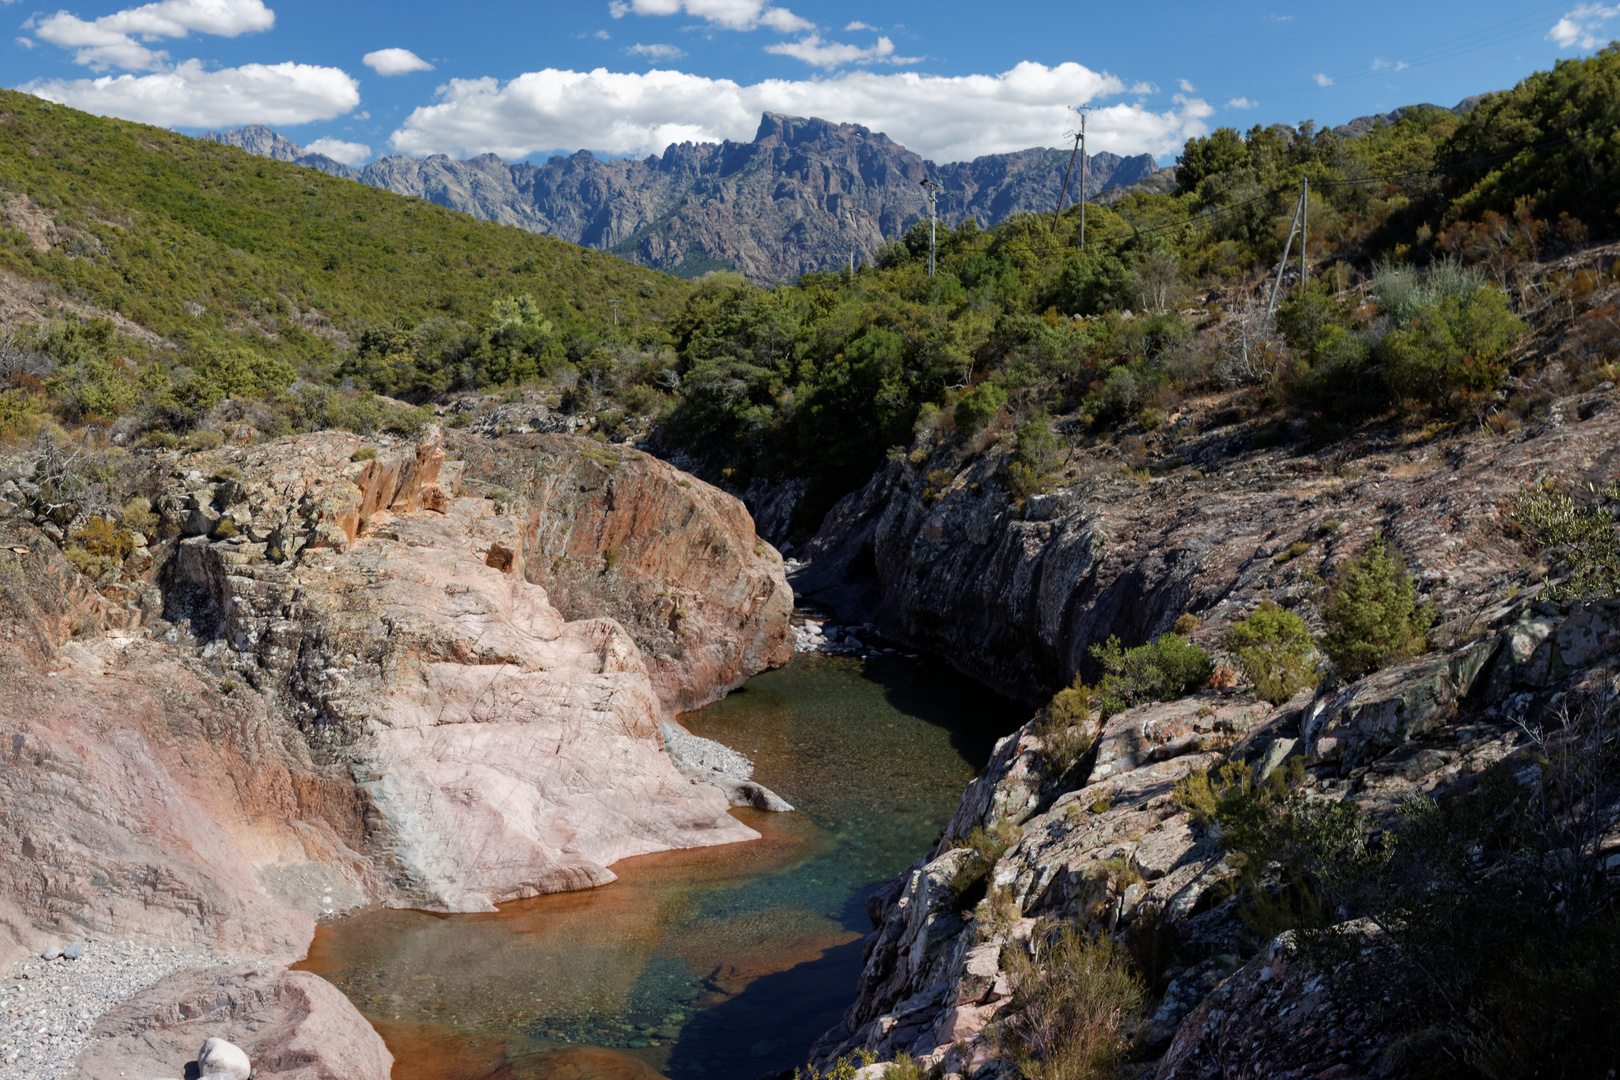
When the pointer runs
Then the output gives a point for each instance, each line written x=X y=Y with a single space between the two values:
x=209 y=246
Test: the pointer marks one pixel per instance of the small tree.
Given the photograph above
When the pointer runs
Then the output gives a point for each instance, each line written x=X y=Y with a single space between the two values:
x=978 y=406
x=1453 y=350
x=1372 y=613
x=1275 y=651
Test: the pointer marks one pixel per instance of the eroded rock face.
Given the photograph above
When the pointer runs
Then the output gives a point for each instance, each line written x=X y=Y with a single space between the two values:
x=1017 y=598
x=1113 y=848
x=501 y=750
x=333 y=684
x=144 y=794
x=616 y=533
x=291 y=1025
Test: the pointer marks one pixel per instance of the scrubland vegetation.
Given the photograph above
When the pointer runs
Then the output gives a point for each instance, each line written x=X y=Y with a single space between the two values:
x=1452 y=286
x=279 y=297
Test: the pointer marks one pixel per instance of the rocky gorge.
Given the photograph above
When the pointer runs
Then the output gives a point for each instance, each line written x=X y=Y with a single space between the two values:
x=329 y=678
x=1235 y=515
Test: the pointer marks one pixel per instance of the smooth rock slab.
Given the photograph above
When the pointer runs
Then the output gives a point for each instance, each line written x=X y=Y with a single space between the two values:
x=289 y=1025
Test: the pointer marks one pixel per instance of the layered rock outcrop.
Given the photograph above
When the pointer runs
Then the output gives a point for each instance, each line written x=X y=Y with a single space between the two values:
x=331 y=683
x=1017 y=596
x=612 y=532
x=501 y=749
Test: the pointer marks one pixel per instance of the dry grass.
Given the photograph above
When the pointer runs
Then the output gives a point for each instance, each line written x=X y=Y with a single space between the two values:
x=1076 y=1004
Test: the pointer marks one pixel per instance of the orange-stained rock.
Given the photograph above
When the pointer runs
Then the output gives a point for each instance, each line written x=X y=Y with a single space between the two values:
x=610 y=531
x=501 y=749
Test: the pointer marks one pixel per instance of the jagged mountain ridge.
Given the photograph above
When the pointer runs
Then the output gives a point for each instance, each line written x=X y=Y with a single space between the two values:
x=804 y=195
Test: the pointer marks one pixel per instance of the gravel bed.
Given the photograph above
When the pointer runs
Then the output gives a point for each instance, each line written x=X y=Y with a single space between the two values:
x=47 y=1007
x=694 y=755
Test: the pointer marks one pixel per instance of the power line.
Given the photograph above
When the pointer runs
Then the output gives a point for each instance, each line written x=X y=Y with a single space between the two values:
x=1446 y=49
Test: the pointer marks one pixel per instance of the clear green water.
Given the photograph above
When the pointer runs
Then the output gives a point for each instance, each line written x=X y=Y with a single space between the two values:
x=719 y=963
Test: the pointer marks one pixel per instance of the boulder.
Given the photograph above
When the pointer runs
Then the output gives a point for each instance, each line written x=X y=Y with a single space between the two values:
x=1390 y=707
x=286 y=1025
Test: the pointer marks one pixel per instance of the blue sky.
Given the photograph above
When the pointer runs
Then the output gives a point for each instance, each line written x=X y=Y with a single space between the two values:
x=950 y=79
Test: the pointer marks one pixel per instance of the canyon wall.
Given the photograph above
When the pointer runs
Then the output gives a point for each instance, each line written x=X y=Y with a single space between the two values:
x=1017 y=596
x=1107 y=845
x=328 y=678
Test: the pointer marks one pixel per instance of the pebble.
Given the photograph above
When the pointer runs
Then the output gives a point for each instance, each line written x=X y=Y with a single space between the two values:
x=48 y=1006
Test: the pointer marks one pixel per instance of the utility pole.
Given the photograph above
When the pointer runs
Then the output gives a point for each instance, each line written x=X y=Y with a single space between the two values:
x=1299 y=220
x=931 y=189
x=1304 y=228
x=1079 y=149
x=1083 y=110
x=1065 y=191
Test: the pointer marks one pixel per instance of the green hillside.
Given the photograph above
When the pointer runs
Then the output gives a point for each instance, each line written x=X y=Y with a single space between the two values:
x=219 y=251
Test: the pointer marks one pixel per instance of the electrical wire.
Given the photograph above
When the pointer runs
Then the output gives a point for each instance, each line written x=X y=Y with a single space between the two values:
x=1448 y=49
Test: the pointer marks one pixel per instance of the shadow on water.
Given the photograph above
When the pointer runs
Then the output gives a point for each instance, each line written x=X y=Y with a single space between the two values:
x=709 y=964
x=973 y=714
x=771 y=1024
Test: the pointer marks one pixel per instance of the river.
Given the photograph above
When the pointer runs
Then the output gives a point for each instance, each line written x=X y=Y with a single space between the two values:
x=712 y=964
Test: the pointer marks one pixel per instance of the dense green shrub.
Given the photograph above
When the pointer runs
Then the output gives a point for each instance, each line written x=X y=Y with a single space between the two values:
x=90 y=379
x=1035 y=454
x=1076 y=1005
x=1584 y=538
x=1275 y=651
x=978 y=406
x=1166 y=668
x=1452 y=351
x=1372 y=613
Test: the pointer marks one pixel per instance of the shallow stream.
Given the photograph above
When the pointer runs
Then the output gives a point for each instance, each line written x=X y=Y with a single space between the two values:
x=712 y=964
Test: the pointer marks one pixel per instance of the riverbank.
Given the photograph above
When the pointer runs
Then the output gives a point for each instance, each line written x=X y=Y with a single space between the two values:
x=720 y=963
x=48 y=1008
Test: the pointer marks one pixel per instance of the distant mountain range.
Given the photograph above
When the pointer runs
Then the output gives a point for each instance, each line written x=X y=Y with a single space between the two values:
x=804 y=195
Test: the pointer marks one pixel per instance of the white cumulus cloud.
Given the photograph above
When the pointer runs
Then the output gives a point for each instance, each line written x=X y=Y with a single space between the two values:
x=1583 y=27
x=858 y=25
x=1186 y=86
x=655 y=53
x=943 y=118
x=350 y=153
x=728 y=14
x=110 y=41
x=188 y=95
x=1324 y=80
x=830 y=54
x=394 y=62
x=1241 y=103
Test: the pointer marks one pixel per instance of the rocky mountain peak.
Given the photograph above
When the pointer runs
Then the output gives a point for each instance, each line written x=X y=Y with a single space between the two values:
x=804 y=194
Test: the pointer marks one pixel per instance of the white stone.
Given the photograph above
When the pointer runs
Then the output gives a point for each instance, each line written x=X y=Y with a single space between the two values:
x=223 y=1060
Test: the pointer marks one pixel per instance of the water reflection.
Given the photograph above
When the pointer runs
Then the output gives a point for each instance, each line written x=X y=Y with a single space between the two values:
x=719 y=963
